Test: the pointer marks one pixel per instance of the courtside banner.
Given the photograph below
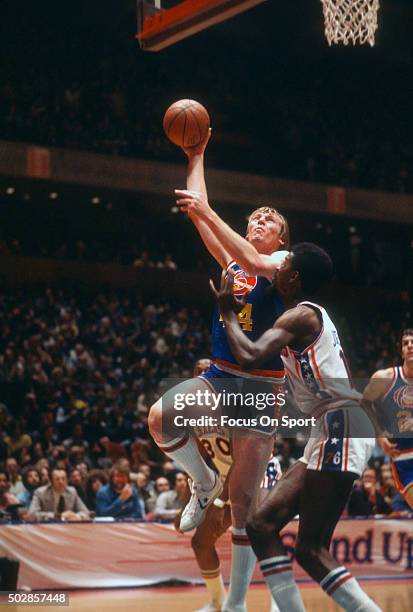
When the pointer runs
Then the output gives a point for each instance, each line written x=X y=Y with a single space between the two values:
x=87 y=555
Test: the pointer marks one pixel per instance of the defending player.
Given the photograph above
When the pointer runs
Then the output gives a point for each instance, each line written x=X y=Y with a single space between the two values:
x=257 y=257
x=316 y=487
x=392 y=391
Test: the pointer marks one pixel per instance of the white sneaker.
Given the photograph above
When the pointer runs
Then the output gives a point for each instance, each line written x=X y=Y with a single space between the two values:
x=194 y=512
x=209 y=607
x=238 y=608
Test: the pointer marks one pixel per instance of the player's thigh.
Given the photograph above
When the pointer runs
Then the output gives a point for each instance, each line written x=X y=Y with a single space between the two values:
x=282 y=503
x=322 y=500
x=251 y=452
x=174 y=402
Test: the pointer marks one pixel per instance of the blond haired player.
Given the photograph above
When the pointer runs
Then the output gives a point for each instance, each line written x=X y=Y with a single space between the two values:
x=254 y=260
x=217 y=445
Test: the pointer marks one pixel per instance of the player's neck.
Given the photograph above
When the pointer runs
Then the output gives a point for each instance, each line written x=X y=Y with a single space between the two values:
x=408 y=370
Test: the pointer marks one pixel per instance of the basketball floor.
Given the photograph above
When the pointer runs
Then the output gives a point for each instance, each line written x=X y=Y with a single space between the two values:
x=390 y=596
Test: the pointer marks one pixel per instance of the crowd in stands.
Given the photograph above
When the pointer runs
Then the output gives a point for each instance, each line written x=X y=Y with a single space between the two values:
x=78 y=373
x=316 y=119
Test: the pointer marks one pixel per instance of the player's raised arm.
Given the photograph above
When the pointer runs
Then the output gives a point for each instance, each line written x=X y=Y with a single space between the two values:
x=195 y=182
x=240 y=249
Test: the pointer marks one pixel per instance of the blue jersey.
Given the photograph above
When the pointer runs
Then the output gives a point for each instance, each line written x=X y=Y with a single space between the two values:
x=263 y=306
x=397 y=407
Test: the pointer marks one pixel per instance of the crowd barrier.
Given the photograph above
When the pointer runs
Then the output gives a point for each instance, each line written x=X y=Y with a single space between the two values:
x=130 y=554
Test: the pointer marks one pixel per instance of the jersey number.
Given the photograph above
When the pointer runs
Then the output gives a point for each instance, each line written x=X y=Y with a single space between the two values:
x=245 y=318
x=222 y=444
x=404 y=421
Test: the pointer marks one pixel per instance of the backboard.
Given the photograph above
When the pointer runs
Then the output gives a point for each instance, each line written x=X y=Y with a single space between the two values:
x=160 y=27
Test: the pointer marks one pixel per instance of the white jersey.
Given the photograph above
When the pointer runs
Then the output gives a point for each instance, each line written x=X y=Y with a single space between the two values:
x=319 y=375
x=216 y=441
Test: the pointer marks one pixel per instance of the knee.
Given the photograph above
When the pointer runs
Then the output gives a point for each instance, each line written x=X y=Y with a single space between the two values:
x=239 y=513
x=306 y=555
x=259 y=528
x=155 y=419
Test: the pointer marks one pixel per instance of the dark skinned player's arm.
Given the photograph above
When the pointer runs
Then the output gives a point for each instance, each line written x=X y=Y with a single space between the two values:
x=300 y=323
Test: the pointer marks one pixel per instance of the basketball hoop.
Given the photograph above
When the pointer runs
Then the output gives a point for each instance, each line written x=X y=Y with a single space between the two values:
x=350 y=21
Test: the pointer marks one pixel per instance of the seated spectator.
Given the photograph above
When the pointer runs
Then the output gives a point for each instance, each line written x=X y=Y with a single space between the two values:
x=161 y=486
x=95 y=481
x=58 y=501
x=16 y=483
x=6 y=498
x=118 y=498
x=31 y=481
x=170 y=503
x=366 y=499
x=76 y=481
x=146 y=493
x=16 y=438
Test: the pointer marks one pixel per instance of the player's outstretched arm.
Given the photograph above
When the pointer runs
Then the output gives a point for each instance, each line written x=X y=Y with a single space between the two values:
x=376 y=389
x=195 y=182
x=243 y=252
x=293 y=324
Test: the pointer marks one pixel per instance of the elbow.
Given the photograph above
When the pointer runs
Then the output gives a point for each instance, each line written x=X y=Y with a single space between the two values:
x=248 y=361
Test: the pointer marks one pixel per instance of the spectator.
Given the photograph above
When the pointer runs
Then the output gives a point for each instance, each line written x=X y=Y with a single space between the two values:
x=31 y=481
x=118 y=498
x=162 y=485
x=365 y=498
x=146 y=492
x=58 y=501
x=16 y=483
x=16 y=438
x=76 y=481
x=6 y=498
x=170 y=503
x=96 y=479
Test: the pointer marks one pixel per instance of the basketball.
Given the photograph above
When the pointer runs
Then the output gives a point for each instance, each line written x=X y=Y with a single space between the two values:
x=186 y=123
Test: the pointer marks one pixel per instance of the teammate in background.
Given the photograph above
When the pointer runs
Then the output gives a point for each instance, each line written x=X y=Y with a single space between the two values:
x=254 y=260
x=217 y=445
x=392 y=391
x=317 y=486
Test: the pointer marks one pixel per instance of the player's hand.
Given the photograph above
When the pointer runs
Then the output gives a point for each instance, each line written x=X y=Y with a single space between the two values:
x=68 y=515
x=192 y=202
x=199 y=149
x=126 y=492
x=227 y=302
x=389 y=447
x=177 y=521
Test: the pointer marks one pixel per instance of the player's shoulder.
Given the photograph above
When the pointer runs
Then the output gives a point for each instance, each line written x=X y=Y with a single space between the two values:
x=278 y=257
x=300 y=318
x=385 y=374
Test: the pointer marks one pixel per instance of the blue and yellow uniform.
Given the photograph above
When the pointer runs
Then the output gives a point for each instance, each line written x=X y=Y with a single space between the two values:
x=397 y=405
x=263 y=306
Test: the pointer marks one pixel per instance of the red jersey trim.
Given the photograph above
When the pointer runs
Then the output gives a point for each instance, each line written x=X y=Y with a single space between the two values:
x=278 y=374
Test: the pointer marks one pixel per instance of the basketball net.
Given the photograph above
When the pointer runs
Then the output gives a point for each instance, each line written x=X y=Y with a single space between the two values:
x=350 y=21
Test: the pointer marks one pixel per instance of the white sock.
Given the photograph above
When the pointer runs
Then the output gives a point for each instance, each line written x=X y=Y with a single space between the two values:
x=278 y=575
x=215 y=586
x=273 y=606
x=346 y=591
x=242 y=567
x=185 y=451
